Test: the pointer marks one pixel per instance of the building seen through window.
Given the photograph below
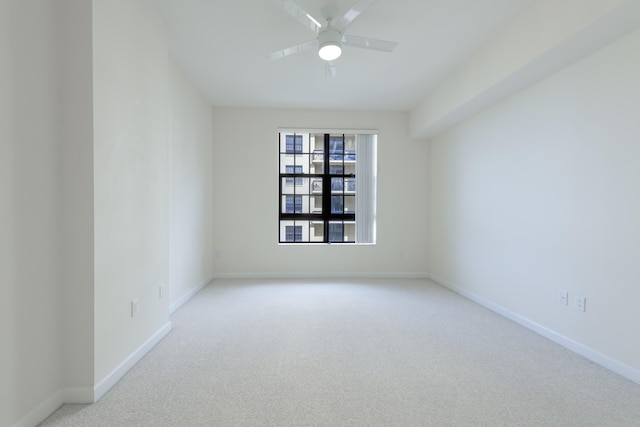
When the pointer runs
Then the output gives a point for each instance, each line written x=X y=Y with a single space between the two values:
x=318 y=187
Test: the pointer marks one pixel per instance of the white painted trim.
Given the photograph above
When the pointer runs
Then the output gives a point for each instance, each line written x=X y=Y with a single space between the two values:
x=43 y=410
x=55 y=401
x=190 y=294
x=323 y=275
x=327 y=130
x=87 y=395
x=110 y=380
x=593 y=355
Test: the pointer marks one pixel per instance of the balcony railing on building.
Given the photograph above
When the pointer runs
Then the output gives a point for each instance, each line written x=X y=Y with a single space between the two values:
x=338 y=186
x=339 y=156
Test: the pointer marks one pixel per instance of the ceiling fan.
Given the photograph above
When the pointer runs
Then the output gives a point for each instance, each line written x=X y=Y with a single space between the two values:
x=331 y=36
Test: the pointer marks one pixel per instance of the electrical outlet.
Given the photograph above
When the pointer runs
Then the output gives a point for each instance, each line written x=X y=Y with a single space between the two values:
x=581 y=303
x=134 y=307
x=564 y=297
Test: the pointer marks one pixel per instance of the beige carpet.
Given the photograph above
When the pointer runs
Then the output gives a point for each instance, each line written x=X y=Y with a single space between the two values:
x=354 y=353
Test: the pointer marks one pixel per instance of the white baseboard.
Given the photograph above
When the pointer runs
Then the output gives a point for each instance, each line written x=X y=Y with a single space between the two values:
x=88 y=395
x=110 y=380
x=581 y=349
x=186 y=297
x=43 y=410
x=323 y=275
x=53 y=402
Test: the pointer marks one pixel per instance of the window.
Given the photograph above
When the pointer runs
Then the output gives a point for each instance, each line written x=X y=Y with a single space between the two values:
x=336 y=148
x=294 y=144
x=333 y=199
x=294 y=204
x=297 y=170
x=350 y=185
x=337 y=204
x=336 y=231
x=294 y=233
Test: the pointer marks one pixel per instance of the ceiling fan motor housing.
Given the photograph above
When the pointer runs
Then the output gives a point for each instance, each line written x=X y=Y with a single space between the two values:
x=330 y=45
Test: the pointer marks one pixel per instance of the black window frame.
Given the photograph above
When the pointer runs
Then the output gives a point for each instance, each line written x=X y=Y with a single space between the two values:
x=334 y=148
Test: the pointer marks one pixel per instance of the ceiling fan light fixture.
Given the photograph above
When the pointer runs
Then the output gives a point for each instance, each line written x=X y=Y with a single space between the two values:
x=330 y=51
x=330 y=46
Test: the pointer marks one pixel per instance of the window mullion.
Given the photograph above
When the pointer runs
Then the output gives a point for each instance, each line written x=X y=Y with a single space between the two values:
x=326 y=188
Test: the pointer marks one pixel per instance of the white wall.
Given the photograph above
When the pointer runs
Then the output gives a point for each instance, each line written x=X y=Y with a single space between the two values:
x=191 y=235
x=520 y=55
x=30 y=304
x=246 y=197
x=153 y=181
x=540 y=193
x=76 y=195
x=131 y=177
x=64 y=180
x=8 y=280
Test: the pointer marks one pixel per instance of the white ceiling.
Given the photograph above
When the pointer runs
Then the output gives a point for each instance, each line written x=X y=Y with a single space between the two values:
x=223 y=46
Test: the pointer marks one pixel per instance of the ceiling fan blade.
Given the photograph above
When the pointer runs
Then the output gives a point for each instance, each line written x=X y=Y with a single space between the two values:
x=294 y=49
x=367 y=43
x=353 y=13
x=300 y=14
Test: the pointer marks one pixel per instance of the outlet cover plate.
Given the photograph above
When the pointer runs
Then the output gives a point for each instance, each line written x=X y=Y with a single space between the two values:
x=564 y=297
x=134 y=307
